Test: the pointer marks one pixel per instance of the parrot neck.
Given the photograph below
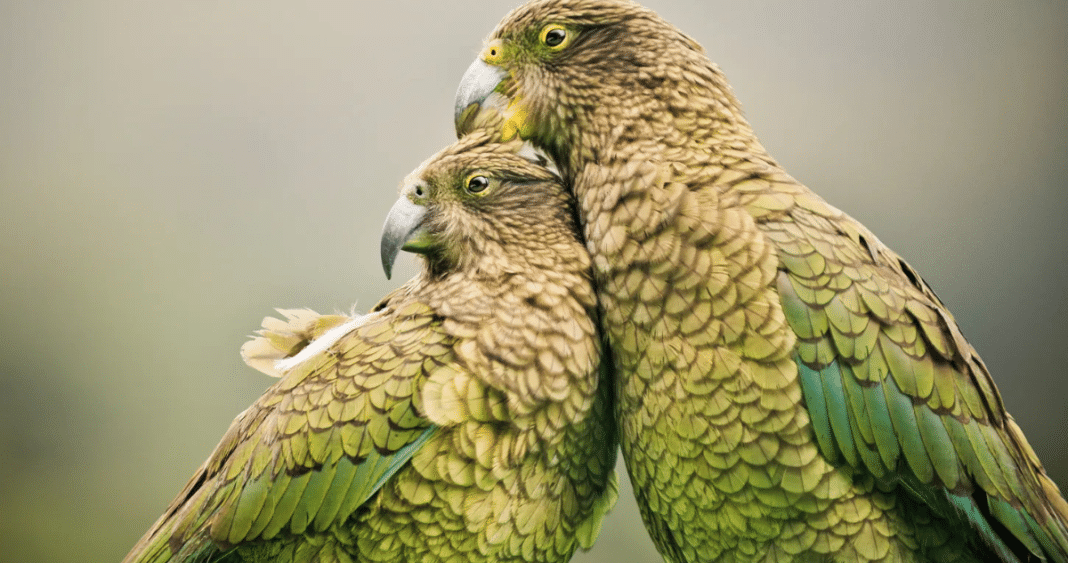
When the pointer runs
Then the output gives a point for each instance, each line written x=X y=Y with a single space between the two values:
x=692 y=119
x=513 y=272
x=498 y=310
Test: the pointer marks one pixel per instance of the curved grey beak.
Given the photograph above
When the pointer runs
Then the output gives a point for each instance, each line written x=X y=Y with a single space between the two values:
x=480 y=80
x=404 y=230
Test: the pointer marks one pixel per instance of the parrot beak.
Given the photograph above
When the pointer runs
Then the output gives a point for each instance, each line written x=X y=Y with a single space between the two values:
x=404 y=230
x=480 y=80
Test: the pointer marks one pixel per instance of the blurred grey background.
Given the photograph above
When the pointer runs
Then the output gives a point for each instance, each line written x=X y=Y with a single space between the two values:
x=171 y=171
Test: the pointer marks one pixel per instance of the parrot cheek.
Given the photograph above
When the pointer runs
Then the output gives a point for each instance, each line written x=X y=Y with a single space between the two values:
x=517 y=120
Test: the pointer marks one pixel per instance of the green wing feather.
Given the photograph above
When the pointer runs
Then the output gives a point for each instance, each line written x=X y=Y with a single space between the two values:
x=316 y=446
x=891 y=386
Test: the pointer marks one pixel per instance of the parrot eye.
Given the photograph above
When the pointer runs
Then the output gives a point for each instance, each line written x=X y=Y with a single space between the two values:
x=477 y=184
x=555 y=36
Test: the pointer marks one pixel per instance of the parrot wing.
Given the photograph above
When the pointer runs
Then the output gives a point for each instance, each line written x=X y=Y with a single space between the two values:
x=892 y=386
x=317 y=445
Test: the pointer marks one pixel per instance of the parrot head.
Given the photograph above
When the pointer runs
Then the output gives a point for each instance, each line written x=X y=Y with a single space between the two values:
x=552 y=66
x=478 y=201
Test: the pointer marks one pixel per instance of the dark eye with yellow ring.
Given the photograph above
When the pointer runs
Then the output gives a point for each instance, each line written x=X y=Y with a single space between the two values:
x=554 y=36
x=477 y=184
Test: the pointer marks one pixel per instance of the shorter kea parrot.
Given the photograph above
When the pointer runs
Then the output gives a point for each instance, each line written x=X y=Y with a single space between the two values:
x=788 y=388
x=465 y=418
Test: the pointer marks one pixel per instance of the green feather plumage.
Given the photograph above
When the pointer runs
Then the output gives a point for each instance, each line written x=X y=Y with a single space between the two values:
x=829 y=407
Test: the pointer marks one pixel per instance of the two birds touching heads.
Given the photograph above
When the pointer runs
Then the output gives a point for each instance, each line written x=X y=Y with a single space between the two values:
x=784 y=386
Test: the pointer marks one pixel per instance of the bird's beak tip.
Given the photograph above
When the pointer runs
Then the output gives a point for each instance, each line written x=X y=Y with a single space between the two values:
x=478 y=82
x=404 y=223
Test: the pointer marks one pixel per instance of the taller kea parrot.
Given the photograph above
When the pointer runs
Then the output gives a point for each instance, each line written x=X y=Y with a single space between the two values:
x=789 y=389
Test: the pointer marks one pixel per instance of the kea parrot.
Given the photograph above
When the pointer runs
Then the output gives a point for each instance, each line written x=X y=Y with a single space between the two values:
x=787 y=387
x=467 y=417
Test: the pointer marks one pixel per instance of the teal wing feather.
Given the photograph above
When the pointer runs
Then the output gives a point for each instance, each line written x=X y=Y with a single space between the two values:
x=893 y=387
x=316 y=446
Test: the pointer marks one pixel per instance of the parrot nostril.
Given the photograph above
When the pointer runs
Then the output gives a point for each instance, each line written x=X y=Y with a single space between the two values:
x=419 y=191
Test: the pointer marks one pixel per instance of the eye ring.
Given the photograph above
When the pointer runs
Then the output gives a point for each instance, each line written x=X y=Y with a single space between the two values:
x=555 y=36
x=477 y=184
